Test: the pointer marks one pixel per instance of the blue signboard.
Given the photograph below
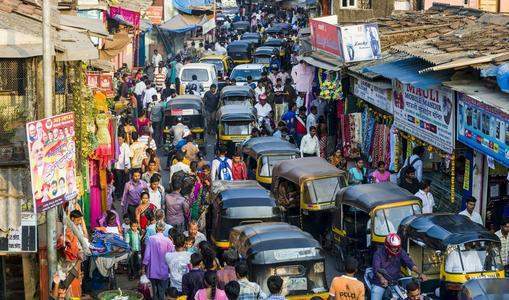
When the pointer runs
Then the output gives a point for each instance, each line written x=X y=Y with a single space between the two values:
x=483 y=128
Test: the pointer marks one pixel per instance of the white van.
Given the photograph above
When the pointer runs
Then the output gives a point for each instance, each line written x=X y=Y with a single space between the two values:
x=205 y=73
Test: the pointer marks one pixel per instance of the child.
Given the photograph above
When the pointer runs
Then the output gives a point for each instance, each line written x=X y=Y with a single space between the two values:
x=189 y=245
x=239 y=169
x=126 y=225
x=133 y=238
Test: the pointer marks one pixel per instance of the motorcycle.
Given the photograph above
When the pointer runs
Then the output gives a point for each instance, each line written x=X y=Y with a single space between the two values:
x=396 y=289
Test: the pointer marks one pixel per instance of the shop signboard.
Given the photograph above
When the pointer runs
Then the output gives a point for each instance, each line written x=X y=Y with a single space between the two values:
x=360 y=42
x=208 y=26
x=379 y=97
x=126 y=15
x=52 y=154
x=154 y=14
x=427 y=114
x=325 y=37
x=483 y=128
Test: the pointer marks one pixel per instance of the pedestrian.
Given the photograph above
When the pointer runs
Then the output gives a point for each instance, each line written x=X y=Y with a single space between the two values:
x=193 y=232
x=146 y=138
x=338 y=160
x=193 y=280
x=151 y=229
x=275 y=286
x=133 y=238
x=424 y=193
x=221 y=166
x=381 y=175
x=503 y=235
x=177 y=262
x=239 y=169
x=211 y=100
x=289 y=91
x=228 y=273
x=262 y=108
x=177 y=208
x=160 y=76
x=156 y=120
x=150 y=155
x=194 y=87
x=470 y=211
x=232 y=290
x=357 y=174
x=259 y=90
x=156 y=191
x=310 y=145
x=179 y=165
x=311 y=119
x=347 y=287
x=190 y=149
x=300 y=125
x=122 y=166
x=129 y=129
x=156 y=58
x=210 y=261
x=322 y=136
x=409 y=182
x=139 y=89
x=413 y=291
x=144 y=209
x=132 y=194
x=248 y=290
x=150 y=171
x=153 y=261
x=137 y=152
x=290 y=118
x=280 y=105
x=150 y=92
x=210 y=290
x=415 y=161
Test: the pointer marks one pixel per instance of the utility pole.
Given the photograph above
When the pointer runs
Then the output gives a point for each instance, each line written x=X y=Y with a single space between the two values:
x=47 y=61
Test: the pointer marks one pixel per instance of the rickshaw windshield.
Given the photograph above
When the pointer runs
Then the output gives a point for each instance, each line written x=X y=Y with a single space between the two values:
x=324 y=189
x=474 y=257
x=216 y=62
x=268 y=163
x=237 y=128
x=237 y=100
x=387 y=220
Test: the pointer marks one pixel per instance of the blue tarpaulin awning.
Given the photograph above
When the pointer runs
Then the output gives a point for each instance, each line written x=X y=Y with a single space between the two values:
x=187 y=6
x=183 y=23
x=407 y=71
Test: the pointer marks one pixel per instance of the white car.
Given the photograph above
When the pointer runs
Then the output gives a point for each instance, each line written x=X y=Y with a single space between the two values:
x=206 y=74
x=241 y=72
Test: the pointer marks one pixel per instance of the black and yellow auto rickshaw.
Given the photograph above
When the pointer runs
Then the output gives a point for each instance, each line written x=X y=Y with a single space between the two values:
x=306 y=188
x=485 y=289
x=235 y=123
x=240 y=51
x=241 y=26
x=190 y=109
x=284 y=250
x=262 y=153
x=223 y=64
x=450 y=249
x=263 y=55
x=254 y=37
x=234 y=203
x=278 y=29
x=237 y=94
x=357 y=208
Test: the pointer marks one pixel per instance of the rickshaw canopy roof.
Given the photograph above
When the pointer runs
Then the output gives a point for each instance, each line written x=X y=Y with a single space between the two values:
x=241 y=194
x=301 y=169
x=251 y=36
x=274 y=147
x=186 y=101
x=275 y=30
x=257 y=140
x=266 y=50
x=233 y=112
x=241 y=24
x=237 y=90
x=440 y=230
x=368 y=196
x=487 y=288
x=274 y=42
x=239 y=45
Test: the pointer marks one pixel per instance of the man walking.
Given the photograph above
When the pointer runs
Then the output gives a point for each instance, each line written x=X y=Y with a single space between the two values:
x=211 y=99
x=347 y=286
x=154 y=261
x=503 y=235
x=156 y=117
x=470 y=212
x=132 y=194
x=177 y=208
x=310 y=145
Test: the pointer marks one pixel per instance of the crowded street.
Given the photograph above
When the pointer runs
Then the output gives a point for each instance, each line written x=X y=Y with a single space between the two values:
x=254 y=150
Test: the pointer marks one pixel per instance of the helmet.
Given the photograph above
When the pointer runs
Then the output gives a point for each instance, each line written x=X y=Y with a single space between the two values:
x=393 y=244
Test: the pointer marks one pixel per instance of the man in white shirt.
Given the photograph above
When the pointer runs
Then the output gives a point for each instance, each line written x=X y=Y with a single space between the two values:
x=178 y=263
x=262 y=107
x=469 y=262
x=156 y=58
x=424 y=193
x=149 y=93
x=156 y=191
x=122 y=166
x=140 y=87
x=259 y=90
x=309 y=146
x=178 y=131
x=220 y=49
x=146 y=139
x=179 y=166
x=415 y=160
x=470 y=213
x=503 y=235
x=311 y=118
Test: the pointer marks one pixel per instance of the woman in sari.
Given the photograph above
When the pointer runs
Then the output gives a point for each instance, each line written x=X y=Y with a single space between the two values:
x=144 y=209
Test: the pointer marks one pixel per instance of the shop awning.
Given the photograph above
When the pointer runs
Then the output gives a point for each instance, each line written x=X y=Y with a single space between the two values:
x=407 y=71
x=21 y=51
x=478 y=91
x=322 y=60
x=182 y=23
x=115 y=46
x=93 y=26
x=77 y=46
x=102 y=64
x=188 y=6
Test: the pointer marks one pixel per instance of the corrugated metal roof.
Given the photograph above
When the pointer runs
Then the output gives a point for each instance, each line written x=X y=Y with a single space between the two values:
x=387 y=57
x=407 y=71
x=478 y=91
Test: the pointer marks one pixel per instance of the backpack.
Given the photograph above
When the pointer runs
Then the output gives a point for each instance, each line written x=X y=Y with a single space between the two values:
x=224 y=171
x=403 y=170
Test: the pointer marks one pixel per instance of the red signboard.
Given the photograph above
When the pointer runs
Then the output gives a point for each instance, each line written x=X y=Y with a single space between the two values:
x=101 y=81
x=154 y=14
x=325 y=37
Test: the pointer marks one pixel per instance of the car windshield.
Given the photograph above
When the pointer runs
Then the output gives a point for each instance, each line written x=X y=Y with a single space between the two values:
x=237 y=128
x=268 y=163
x=473 y=257
x=216 y=62
x=324 y=189
x=202 y=74
x=387 y=220
x=241 y=74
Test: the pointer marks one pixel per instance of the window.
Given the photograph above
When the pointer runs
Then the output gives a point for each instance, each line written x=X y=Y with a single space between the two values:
x=324 y=189
x=201 y=74
x=348 y=3
x=473 y=257
x=237 y=128
x=13 y=74
x=388 y=220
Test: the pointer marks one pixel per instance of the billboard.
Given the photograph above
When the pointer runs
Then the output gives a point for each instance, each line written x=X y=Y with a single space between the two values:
x=52 y=153
x=360 y=42
x=325 y=37
x=379 y=97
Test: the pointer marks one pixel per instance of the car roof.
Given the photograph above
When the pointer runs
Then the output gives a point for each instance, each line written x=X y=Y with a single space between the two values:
x=249 y=67
x=369 y=196
x=198 y=66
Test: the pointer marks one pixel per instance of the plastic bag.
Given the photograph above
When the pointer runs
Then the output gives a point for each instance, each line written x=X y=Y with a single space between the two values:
x=144 y=287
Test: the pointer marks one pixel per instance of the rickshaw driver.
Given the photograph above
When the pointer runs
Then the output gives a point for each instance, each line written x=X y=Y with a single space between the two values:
x=469 y=257
x=390 y=258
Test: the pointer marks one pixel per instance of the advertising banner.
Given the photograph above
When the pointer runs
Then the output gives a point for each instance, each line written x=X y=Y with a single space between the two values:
x=126 y=15
x=427 y=114
x=483 y=128
x=154 y=14
x=325 y=37
x=381 y=98
x=52 y=153
x=360 y=42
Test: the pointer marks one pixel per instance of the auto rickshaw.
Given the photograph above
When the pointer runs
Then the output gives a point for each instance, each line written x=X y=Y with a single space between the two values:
x=240 y=51
x=284 y=250
x=233 y=203
x=262 y=55
x=235 y=94
x=306 y=188
x=450 y=249
x=278 y=43
x=254 y=37
x=241 y=26
x=278 y=29
x=485 y=289
x=262 y=153
x=223 y=63
x=190 y=109
x=235 y=123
